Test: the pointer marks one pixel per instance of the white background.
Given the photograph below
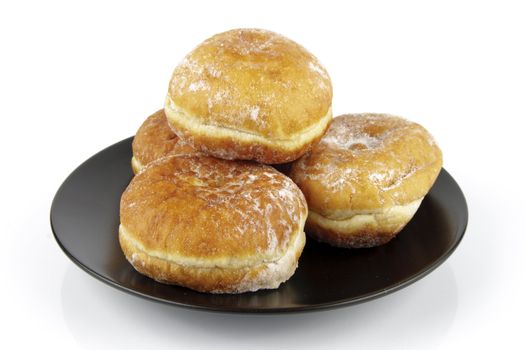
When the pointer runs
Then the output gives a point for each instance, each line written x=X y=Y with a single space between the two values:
x=77 y=77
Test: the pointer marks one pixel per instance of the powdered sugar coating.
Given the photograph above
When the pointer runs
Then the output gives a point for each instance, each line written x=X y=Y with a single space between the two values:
x=367 y=161
x=208 y=276
x=228 y=143
x=236 y=212
x=252 y=80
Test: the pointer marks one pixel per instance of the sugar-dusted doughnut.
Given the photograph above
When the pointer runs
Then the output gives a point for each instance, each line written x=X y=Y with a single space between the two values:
x=250 y=94
x=366 y=178
x=213 y=225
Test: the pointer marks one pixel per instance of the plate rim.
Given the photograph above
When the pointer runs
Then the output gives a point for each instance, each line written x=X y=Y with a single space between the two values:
x=460 y=233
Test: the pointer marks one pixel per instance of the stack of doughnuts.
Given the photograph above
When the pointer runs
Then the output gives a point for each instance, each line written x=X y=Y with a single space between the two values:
x=207 y=211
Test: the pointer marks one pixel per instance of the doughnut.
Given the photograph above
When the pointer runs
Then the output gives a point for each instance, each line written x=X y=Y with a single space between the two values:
x=154 y=140
x=366 y=178
x=250 y=94
x=213 y=225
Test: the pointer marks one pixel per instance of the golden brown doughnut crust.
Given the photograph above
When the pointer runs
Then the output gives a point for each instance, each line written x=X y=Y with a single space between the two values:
x=363 y=239
x=154 y=140
x=245 y=84
x=366 y=178
x=362 y=230
x=210 y=224
x=265 y=275
x=365 y=162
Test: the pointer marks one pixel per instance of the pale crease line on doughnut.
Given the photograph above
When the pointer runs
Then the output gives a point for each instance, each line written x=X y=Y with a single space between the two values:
x=356 y=218
x=341 y=215
x=211 y=263
x=177 y=114
x=136 y=165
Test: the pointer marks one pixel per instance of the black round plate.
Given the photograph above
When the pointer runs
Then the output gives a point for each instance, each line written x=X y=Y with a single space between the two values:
x=85 y=219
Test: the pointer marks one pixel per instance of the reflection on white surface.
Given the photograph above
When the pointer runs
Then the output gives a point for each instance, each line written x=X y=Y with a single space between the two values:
x=97 y=314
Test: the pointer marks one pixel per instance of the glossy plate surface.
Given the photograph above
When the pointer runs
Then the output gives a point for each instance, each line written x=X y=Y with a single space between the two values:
x=85 y=219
